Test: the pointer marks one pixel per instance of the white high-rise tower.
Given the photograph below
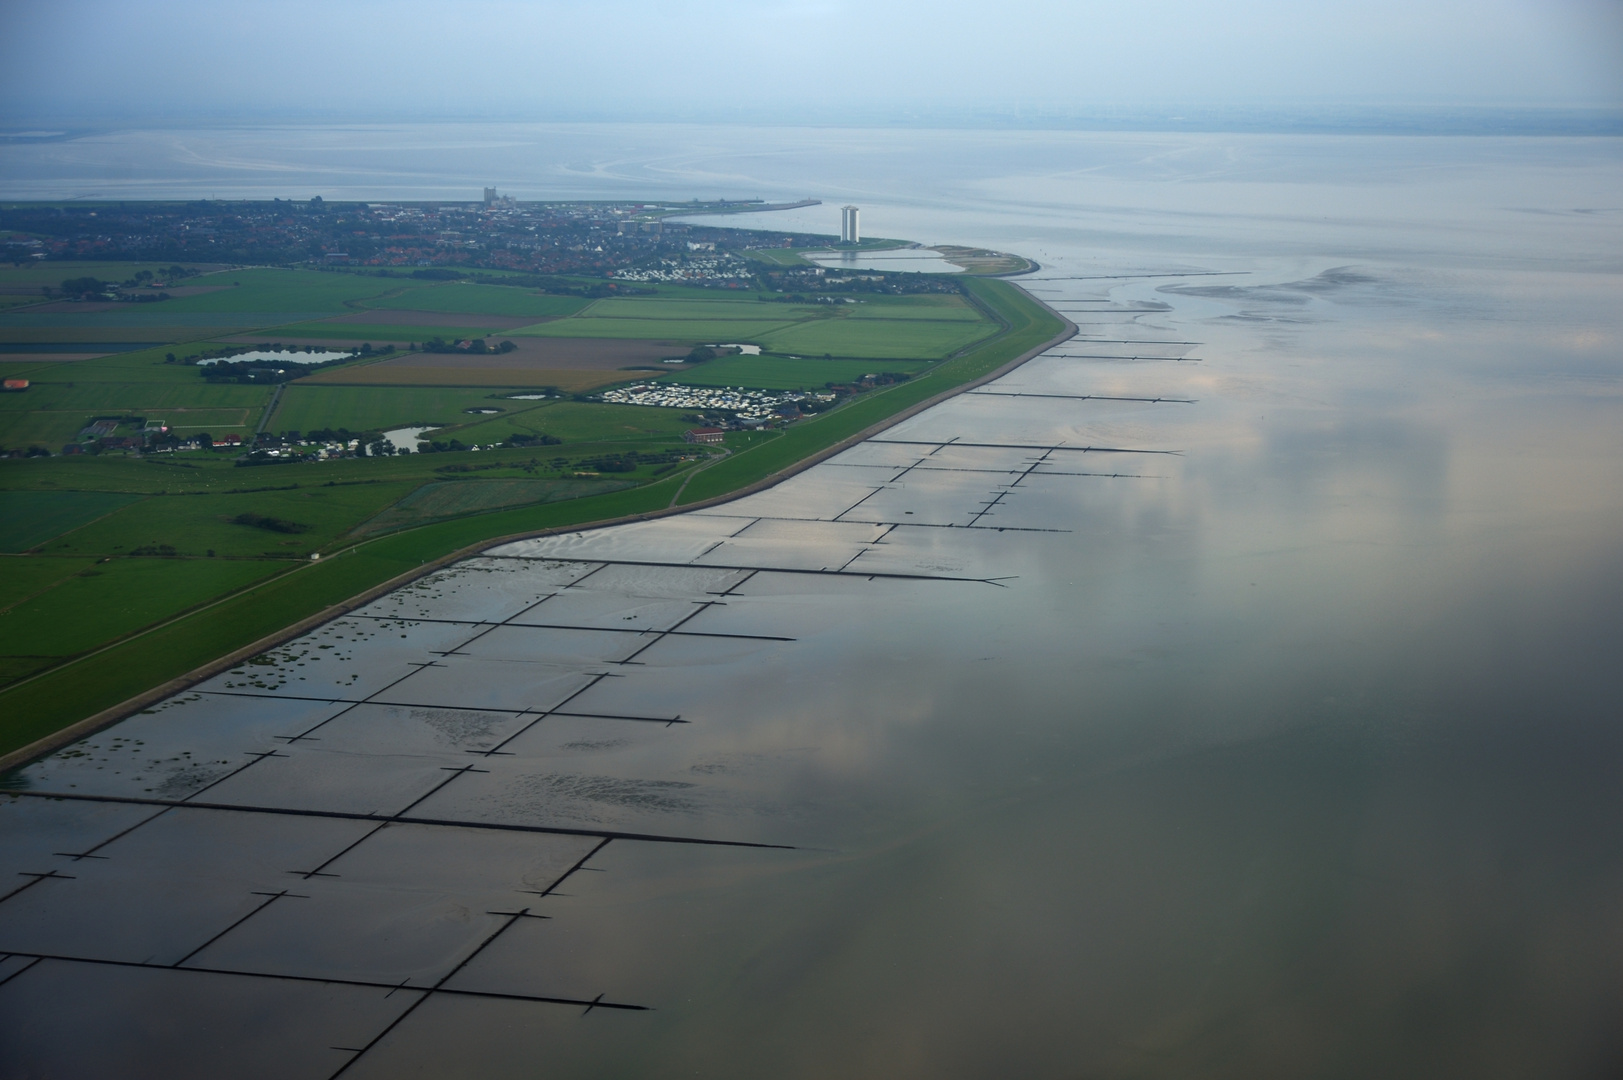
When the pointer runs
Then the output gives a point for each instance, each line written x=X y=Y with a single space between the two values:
x=849 y=232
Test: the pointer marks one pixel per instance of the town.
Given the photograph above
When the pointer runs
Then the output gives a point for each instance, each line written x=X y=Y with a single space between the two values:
x=597 y=239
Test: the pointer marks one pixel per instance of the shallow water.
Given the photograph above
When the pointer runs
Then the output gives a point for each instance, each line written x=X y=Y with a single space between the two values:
x=1247 y=704
x=404 y=440
x=276 y=357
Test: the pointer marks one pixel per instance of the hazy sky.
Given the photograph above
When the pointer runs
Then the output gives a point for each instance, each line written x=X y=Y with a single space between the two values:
x=547 y=60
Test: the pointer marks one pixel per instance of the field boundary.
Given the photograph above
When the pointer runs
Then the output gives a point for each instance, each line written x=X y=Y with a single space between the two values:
x=106 y=717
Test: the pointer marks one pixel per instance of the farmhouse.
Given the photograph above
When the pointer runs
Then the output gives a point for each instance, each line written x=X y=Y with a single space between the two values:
x=703 y=435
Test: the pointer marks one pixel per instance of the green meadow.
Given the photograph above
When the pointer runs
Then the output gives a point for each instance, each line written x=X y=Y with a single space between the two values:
x=677 y=331
x=382 y=332
x=274 y=291
x=458 y=498
x=108 y=600
x=928 y=327
x=458 y=298
x=27 y=578
x=375 y=408
x=783 y=373
x=45 y=272
x=29 y=518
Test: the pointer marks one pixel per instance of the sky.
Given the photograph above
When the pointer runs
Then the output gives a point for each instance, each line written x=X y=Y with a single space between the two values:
x=113 y=60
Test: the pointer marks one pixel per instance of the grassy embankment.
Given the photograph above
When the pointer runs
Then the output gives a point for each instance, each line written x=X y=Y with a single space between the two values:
x=277 y=586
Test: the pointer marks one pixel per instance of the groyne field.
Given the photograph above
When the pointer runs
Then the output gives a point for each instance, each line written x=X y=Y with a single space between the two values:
x=196 y=484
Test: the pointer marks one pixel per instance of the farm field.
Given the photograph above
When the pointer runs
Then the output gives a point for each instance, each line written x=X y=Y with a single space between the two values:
x=52 y=412
x=35 y=274
x=466 y=374
x=380 y=333
x=30 y=518
x=459 y=298
x=108 y=600
x=454 y=498
x=877 y=338
x=105 y=546
x=274 y=291
x=928 y=327
x=25 y=578
x=311 y=408
x=578 y=422
x=679 y=333
x=313 y=517
x=929 y=306
x=783 y=373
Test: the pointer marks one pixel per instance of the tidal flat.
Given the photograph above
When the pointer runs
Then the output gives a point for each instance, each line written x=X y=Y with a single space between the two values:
x=1230 y=691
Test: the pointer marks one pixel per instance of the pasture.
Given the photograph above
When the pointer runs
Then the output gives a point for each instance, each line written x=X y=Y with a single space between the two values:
x=273 y=290
x=108 y=600
x=47 y=272
x=920 y=327
x=196 y=525
x=680 y=333
x=472 y=375
x=461 y=298
x=878 y=339
x=30 y=518
x=25 y=578
x=782 y=373
x=579 y=423
x=380 y=333
x=305 y=407
x=456 y=498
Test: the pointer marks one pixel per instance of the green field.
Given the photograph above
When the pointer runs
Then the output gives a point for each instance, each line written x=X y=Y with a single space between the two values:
x=143 y=365
x=45 y=272
x=275 y=291
x=692 y=309
x=194 y=525
x=99 y=529
x=52 y=412
x=368 y=408
x=462 y=298
x=877 y=338
x=677 y=331
x=454 y=498
x=782 y=373
x=577 y=422
x=111 y=599
x=29 y=518
x=928 y=306
x=25 y=578
x=381 y=332
x=927 y=327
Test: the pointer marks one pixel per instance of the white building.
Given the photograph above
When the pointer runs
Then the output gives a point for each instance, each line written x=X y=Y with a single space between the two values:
x=849 y=232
